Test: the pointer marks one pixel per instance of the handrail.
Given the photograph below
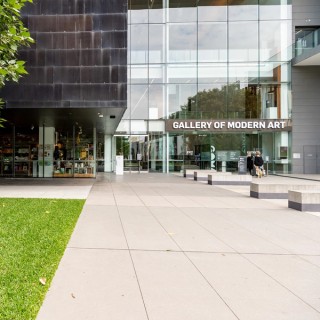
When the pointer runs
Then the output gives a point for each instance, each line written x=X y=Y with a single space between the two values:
x=309 y=41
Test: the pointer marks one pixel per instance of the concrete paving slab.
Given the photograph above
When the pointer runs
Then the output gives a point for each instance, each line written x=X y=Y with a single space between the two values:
x=94 y=284
x=208 y=202
x=248 y=291
x=315 y=260
x=128 y=200
x=235 y=236
x=293 y=273
x=182 y=201
x=280 y=236
x=173 y=289
x=101 y=198
x=98 y=227
x=186 y=233
x=155 y=201
x=143 y=231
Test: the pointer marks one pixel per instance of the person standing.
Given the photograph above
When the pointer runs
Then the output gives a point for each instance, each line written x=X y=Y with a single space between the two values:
x=258 y=162
x=249 y=162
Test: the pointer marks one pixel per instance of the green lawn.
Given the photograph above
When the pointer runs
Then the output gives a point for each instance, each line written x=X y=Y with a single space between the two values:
x=33 y=236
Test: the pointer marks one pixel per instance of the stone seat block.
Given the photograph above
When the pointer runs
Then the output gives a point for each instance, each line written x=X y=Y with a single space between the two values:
x=267 y=190
x=304 y=200
x=202 y=175
x=229 y=179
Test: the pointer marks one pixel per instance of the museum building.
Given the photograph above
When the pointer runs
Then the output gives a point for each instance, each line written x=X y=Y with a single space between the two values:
x=166 y=84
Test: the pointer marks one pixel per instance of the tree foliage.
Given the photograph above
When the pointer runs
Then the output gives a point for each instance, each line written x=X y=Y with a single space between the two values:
x=229 y=101
x=13 y=35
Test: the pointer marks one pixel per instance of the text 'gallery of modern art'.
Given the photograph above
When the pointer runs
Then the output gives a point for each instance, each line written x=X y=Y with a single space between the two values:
x=165 y=84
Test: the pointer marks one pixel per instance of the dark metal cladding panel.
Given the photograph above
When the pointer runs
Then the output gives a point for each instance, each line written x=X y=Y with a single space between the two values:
x=79 y=57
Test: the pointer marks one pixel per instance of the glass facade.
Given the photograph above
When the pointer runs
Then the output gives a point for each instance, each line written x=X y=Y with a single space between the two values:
x=209 y=60
x=40 y=152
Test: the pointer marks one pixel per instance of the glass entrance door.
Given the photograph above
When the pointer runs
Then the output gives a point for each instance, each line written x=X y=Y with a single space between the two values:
x=135 y=152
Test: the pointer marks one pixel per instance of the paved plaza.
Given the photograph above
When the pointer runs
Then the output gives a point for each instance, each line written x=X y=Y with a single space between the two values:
x=162 y=247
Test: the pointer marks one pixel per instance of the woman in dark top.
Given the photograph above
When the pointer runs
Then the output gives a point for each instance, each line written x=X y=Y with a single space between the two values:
x=258 y=162
x=249 y=162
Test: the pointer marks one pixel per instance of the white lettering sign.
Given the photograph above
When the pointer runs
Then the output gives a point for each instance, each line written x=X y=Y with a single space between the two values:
x=227 y=125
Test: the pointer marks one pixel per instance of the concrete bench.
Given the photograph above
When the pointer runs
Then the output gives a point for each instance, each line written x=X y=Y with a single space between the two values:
x=229 y=179
x=304 y=200
x=188 y=173
x=202 y=175
x=276 y=190
x=188 y=170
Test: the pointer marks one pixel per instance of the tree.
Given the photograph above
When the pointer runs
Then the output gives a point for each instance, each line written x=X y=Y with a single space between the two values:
x=13 y=35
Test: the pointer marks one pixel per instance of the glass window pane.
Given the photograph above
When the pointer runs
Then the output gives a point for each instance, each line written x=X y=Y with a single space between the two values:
x=270 y=100
x=236 y=101
x=212 y=42
x=182 y=73
x=138 y=11
x=275 y=40
x=139 y=102
x=182 y=42
x=275 y=72
x=243 y=72
x=139 y=74
x=243 y=10
x=156 y=102
x=179 y=96
x=212 y=101
x=157 y=11
x=243 y=48
x=212 y=73
x=275 y=9
x=182 y=10
x=156 y=43
x=124 y=126
x=209 y=10
x=139 y=44
x=126 y=115
x=156 y=73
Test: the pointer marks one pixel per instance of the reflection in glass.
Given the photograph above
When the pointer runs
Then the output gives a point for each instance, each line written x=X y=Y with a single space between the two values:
x=212 y=73
x=275 y=9
x=182 y=11
x=211 y=102
x=209 y=10
x=243 y=48
x=156 y=73
x=139 y=101
x=139 y=74
x=156 y=102
x=156 y=43
x=243 y=10
x=270 y=72
x=178 y=96
x=157 y=152
x=183 y=42
x=275 y=40
x=139 y=43
x=247 y=72
x=182 y=73
x=157 y=11
x=212 y=42
x=138 y=11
